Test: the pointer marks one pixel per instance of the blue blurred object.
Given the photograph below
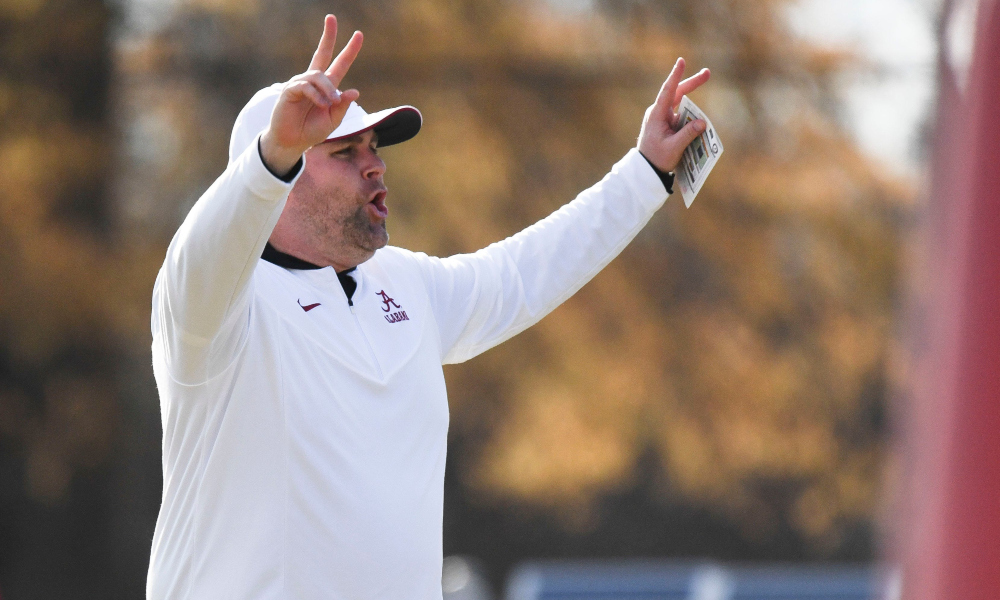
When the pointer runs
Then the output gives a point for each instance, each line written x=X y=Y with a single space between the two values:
x=677 y=580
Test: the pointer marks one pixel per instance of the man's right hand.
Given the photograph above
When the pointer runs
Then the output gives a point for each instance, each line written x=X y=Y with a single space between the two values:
x=310 y=106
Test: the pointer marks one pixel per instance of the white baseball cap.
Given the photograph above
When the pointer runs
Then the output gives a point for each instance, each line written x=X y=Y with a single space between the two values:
x=393 y=125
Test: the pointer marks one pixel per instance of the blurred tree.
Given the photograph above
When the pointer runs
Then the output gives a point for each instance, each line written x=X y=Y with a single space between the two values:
x=73 y=300
x=718 y=390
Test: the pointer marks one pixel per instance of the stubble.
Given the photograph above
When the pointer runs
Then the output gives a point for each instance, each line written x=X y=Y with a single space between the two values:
x=338 y=222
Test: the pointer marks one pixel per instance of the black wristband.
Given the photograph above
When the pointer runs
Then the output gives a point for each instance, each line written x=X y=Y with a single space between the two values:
x=289 y=176
x=666 y=178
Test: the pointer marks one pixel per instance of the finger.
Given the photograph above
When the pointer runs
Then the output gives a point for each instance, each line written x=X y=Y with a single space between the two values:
x=324 y=51
x=673 y=120
x=691 y=84
x=663 y=106
x=345 y=59
x=322 y=83
x=306 y=89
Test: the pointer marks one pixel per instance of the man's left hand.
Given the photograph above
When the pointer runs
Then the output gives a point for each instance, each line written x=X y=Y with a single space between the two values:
x=659 y=141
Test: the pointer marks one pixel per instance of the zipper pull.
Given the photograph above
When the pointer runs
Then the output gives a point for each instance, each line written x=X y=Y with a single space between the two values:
x=351 y=304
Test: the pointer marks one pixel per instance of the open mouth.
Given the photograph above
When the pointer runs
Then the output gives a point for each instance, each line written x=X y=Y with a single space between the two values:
x=377 y=204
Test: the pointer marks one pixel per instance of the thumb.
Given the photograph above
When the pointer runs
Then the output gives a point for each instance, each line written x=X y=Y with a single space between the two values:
x=689 y=132
x=338 y=109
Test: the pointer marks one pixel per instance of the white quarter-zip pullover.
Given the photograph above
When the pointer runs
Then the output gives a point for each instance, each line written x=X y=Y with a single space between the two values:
x=304 y=438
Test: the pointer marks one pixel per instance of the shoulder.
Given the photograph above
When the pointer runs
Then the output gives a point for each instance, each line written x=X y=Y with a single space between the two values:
x=393 y=257
x=267 y=275
x=400 y=264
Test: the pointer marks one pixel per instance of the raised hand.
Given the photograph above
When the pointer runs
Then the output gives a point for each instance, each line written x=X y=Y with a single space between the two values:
x=310 y=106
x=659 y=140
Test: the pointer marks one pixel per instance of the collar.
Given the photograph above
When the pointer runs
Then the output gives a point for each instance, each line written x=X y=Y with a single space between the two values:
x=287 y=261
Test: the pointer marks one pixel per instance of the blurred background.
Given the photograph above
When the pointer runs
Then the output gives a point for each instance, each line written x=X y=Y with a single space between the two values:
x=721 y=391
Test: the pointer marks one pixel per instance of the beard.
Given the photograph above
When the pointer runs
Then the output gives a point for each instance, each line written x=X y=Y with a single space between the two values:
x=359 y=231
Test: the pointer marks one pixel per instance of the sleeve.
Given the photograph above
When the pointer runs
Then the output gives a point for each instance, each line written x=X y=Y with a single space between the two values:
x=201 y=299
x=482 y=299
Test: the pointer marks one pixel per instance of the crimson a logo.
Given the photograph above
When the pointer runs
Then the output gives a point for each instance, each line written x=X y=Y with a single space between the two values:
x=387 y=301
x=388 y=304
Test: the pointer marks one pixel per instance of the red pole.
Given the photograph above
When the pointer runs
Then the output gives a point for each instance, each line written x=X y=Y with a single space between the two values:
x=948 y=538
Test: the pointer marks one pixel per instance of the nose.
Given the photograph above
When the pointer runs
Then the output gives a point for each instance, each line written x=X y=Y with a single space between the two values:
x=374 y=166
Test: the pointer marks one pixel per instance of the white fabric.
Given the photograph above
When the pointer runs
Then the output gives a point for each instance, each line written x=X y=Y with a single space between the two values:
x=304 y=451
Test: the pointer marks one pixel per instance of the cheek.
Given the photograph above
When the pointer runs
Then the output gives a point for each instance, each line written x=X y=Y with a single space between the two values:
x=302 y=198
x=319 y=203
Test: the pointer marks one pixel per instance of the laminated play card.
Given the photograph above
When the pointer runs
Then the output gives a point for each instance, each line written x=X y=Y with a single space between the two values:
x=700 y=156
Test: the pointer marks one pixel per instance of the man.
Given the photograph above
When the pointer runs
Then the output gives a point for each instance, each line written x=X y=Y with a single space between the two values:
x=302 y=395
